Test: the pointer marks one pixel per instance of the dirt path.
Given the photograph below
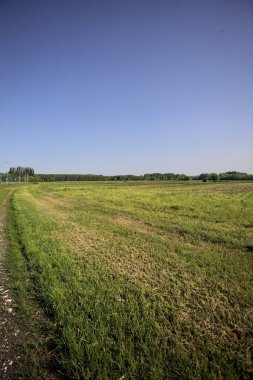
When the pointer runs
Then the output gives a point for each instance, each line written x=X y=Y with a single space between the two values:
x=10 y=350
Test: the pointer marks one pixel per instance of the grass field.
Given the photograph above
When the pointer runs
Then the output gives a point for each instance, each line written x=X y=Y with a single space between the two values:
x=148 y=280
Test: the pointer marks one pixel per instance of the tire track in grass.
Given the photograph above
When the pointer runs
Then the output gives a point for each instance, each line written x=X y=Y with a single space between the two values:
x=24 y=351
x=10 y=349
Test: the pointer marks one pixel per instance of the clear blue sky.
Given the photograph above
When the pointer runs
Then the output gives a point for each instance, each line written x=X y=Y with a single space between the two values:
x=126 y=86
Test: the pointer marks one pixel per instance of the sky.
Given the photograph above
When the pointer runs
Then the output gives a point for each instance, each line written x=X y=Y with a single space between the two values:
x=126 y=86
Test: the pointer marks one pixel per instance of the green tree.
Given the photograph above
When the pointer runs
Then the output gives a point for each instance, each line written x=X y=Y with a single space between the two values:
x=213 y=177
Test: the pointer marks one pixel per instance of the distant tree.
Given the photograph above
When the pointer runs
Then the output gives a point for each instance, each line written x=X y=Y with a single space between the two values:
x=182 y=177
x=213 y=177
x=236 y=176
x=169 y=176
x=20 y=173
x=203 y=177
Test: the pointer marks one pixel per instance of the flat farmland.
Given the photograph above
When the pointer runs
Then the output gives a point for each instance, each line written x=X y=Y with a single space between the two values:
x=141 y=280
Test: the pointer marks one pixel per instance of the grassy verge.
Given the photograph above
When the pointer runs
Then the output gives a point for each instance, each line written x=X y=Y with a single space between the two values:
x=138 y=282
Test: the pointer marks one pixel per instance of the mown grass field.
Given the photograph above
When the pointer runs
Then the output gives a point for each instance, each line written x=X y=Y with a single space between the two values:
x=148 y=280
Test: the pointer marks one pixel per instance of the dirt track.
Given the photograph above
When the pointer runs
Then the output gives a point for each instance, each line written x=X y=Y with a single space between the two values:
x=10 y=350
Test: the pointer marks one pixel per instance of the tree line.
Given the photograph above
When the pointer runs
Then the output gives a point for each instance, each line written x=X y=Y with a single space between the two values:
x=205 y=177
x=27 y=174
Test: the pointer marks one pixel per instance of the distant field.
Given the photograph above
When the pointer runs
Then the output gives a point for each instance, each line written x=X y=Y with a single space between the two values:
x=147 y=280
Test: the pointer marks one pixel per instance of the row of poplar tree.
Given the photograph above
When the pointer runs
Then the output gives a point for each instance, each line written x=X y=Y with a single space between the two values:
x=20 y=174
